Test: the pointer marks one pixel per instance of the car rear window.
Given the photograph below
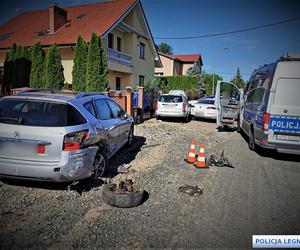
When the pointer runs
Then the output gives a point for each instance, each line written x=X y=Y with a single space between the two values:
x=39 y=113
x=206 y=101
x=170 y=98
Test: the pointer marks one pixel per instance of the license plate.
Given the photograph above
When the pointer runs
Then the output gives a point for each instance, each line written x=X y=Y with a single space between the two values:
x=288 y=137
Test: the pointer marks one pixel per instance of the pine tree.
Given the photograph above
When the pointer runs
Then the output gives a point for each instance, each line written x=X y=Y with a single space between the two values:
x=24 y=67
x=37 y=67
x=238 y=80
x=16 y=75
x=54 y=71
x=8 y=68
x=104 y=82
x=79 y=67
x=93 y=65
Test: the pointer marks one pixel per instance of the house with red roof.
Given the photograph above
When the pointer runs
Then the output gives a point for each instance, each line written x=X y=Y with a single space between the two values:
x=174 y=65
x=130 y=48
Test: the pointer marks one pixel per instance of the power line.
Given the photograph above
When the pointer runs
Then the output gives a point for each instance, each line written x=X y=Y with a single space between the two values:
x=229 y=32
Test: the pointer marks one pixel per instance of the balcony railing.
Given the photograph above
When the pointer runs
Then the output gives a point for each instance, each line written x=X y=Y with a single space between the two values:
x=118 y=57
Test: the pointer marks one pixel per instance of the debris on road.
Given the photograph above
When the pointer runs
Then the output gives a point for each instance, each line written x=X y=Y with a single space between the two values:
x=190 y=190
x=124 y=168
x=221 y=162
x=122 y=193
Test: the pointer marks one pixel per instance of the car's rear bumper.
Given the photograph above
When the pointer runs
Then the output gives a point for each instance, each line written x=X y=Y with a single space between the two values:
x=72 y=166
x=170 y=113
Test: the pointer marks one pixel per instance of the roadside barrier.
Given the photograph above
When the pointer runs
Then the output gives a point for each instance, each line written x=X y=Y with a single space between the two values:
x=192 y=153
x=201 y=158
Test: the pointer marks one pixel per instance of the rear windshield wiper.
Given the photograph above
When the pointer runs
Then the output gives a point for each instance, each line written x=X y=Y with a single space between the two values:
x=12 y=120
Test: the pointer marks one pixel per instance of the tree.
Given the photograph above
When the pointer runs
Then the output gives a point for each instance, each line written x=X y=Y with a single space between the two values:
x=238 y=80
x=37 y=67
x=194 y=70
x=24 y=67
x=165 y=48
x=16 y=76
x=79 y=67
x=97 y=69
x=8 y=68
x=54 y=71
x=104 y=82
x=207 y=79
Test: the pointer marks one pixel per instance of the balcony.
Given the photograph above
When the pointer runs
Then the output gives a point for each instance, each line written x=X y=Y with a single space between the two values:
x=119 y=57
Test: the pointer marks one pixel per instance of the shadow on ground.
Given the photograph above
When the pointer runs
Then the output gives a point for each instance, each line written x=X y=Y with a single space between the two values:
x=124 y=156
x=269 y=153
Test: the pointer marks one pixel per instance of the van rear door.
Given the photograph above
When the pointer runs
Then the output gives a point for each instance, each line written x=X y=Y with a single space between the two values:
x=227 y=103
x=285 y=103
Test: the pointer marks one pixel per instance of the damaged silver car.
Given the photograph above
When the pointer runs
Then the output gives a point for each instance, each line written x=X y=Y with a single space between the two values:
x=60 y=137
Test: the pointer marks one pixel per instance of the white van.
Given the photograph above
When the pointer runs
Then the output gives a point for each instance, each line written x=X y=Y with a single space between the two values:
x=269 y=112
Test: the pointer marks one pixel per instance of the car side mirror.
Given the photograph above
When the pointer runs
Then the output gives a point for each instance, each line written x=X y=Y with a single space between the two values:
x=125 y=116
x=192 y=106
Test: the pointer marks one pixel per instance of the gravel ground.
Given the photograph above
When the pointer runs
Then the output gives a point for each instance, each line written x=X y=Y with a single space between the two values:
x=236 y=202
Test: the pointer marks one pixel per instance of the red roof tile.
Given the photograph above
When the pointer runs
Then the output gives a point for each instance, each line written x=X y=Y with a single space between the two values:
x=187 y=57
x=98 y=17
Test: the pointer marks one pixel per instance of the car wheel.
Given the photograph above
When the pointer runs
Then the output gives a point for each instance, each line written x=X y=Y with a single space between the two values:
x=251 y=142
x=121 y=199
x=130 y=137
x=100 y=164
x=158 y=117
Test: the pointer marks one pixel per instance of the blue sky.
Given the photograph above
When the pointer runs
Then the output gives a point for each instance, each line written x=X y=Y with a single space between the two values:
x=182 y=18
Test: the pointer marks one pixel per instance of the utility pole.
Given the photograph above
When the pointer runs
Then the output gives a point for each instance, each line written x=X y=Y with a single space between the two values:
x=213 y=85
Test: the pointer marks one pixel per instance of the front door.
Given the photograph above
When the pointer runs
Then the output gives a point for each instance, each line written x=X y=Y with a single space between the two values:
x=227 y=103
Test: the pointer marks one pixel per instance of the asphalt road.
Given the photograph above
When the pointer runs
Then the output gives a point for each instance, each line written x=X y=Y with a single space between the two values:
x=260 y=195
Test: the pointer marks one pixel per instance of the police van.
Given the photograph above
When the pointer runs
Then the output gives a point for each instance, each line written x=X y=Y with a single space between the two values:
x=269 y=112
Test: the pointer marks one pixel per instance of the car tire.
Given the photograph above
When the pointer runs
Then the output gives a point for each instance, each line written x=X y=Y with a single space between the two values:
x=100 y=164
x=121 y=199
x=130 y=137
x=251 y=142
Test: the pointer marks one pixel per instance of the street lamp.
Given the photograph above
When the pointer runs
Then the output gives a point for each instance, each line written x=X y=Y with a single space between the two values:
x=215 y=50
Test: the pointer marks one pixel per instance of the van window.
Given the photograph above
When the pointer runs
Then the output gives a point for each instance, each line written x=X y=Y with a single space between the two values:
x=39 y=113
x=255 y=97
x=287 y=92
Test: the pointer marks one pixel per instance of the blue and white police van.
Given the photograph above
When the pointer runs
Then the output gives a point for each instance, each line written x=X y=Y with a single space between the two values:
x=269 y=112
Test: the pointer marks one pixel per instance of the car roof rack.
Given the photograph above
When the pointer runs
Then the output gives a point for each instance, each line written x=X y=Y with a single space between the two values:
x=290 y=57
x=84 y=94
x=41 y=90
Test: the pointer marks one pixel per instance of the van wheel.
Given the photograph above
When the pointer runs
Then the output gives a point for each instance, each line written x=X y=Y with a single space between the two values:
x=100 y=164
x=251 y=142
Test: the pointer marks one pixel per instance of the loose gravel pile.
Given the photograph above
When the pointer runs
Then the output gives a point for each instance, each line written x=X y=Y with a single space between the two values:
x=49 y=216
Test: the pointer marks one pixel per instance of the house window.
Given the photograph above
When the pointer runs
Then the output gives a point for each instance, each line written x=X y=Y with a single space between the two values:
x=142 y=50
x=118 y=83
x=141 y=80
x=119 y=44
x=110 y=41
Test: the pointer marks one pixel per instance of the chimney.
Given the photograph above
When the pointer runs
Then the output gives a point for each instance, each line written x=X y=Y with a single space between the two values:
x=57 y=18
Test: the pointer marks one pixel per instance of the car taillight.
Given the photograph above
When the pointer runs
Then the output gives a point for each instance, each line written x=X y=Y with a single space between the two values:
x=266 y=121
x=183 y=106
x=156 y=106
x=41 y=149
x=75 y=140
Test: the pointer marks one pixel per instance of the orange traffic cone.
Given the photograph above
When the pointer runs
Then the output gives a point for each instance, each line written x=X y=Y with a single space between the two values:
x=192 y=153
x=201 y=158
